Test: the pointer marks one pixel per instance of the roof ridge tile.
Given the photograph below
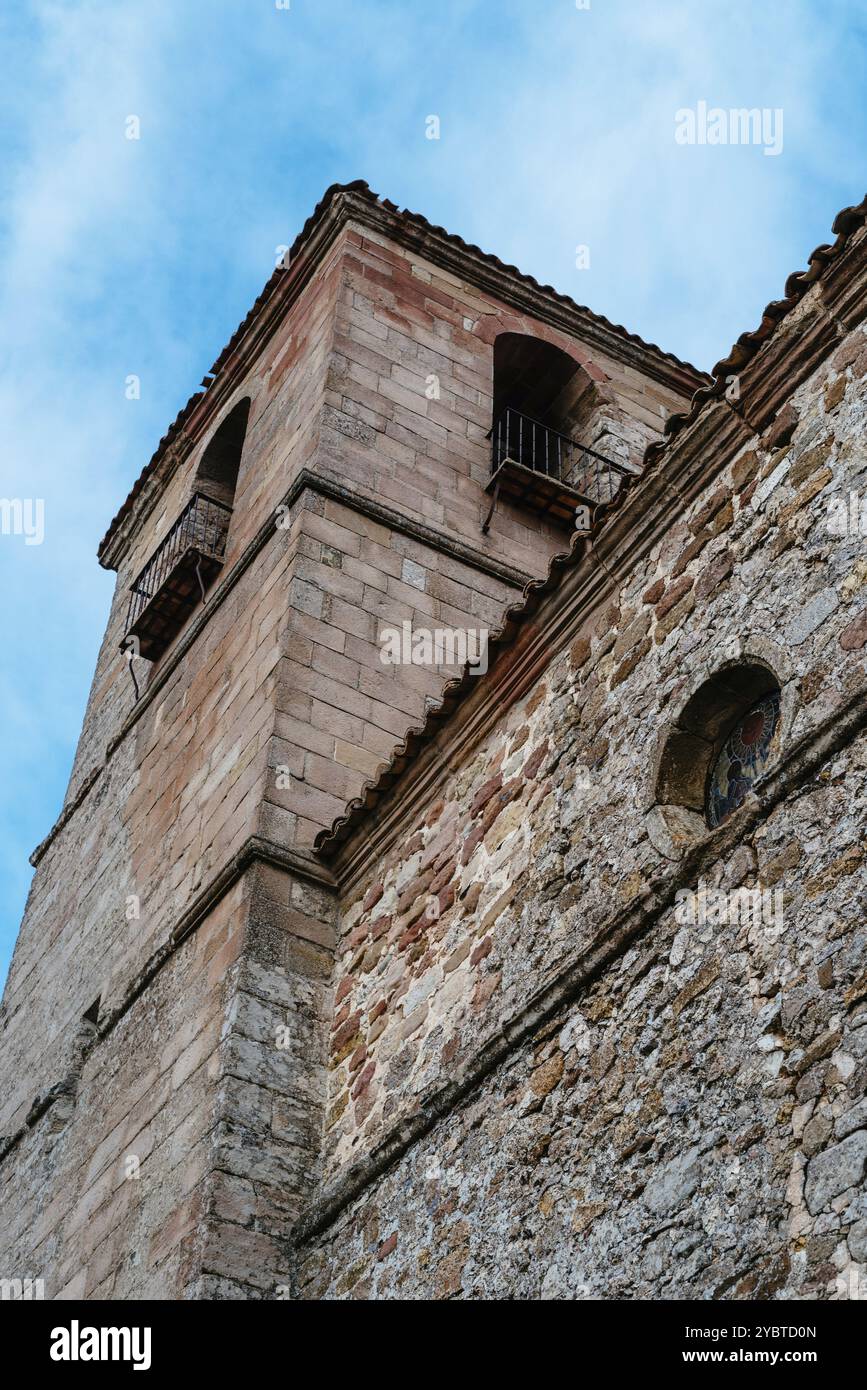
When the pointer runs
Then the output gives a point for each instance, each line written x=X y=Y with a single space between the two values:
x=748 y=344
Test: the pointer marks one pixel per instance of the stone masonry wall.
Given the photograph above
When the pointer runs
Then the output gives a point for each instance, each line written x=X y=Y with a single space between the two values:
x=176 y=1158
x=180 y=891
x=543 y=838
x=407 y=327
x=278 y=676
x=103 y=1194
x=176 y=800
x=174 y=794
x=692 y=1126
x=285 y=388
x=340 y=710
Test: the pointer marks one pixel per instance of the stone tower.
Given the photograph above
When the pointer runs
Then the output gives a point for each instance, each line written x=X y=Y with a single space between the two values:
x=397 y=436
x=459 y=891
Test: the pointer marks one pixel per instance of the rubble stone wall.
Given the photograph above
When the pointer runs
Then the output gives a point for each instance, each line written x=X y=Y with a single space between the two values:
x=677 y=1089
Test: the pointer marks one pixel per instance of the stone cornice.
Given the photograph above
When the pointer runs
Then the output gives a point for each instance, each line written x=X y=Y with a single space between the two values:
x=800 y=763
x=257 y=849
x=698 y=455
x=306 y=481
x=344 y=208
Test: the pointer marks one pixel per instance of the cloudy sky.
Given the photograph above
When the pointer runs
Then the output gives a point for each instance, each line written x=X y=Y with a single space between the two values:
x=557 y=130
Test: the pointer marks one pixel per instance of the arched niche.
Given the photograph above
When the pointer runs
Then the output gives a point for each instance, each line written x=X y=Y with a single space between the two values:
x=542 y=382
x=217 y=473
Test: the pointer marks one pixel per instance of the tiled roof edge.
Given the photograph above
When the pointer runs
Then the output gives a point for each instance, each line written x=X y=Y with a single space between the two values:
x=845 y=223
x=362 y=188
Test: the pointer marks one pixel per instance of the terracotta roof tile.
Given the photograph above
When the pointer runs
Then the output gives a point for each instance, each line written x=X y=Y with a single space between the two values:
x=361 y=188
x=748 y=344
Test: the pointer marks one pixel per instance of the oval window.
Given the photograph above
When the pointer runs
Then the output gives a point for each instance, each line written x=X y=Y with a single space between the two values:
x=742 y=758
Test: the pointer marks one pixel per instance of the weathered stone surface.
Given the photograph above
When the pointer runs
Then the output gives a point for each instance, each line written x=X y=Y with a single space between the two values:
x=858 y=1241
x=852 y=1120
x=835 y=1171
x=854 y=634
x=814 y=614
x=705 y=1067
x=782 y=429
x=481 y=1028
x=674 y=1185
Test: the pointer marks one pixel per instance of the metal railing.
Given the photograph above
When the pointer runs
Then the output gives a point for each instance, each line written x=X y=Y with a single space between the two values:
x=558 y=456
x=202 y=526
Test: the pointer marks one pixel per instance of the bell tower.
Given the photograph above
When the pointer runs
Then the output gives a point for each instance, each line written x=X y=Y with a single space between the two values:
x=397 y=433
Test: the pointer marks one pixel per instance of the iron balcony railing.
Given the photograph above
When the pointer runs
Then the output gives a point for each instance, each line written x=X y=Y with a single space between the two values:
x=199 y=534
x=557 y=456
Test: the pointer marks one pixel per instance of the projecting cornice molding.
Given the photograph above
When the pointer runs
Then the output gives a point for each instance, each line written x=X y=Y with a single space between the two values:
x=355 y=205
x=323 y=485
x=795 y=336
x=553 y=613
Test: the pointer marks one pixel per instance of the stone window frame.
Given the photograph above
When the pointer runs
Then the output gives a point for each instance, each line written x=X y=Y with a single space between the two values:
x=688 y=745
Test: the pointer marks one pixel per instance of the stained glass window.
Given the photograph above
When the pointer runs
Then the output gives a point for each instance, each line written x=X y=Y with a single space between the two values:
x=743 y=758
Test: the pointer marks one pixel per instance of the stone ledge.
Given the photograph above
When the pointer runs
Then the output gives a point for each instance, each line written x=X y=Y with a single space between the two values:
x=800 y=763
x=306 y=481
x=255 y=850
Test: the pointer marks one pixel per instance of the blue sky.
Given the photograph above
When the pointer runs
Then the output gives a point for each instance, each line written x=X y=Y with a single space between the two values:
x=557 y=129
